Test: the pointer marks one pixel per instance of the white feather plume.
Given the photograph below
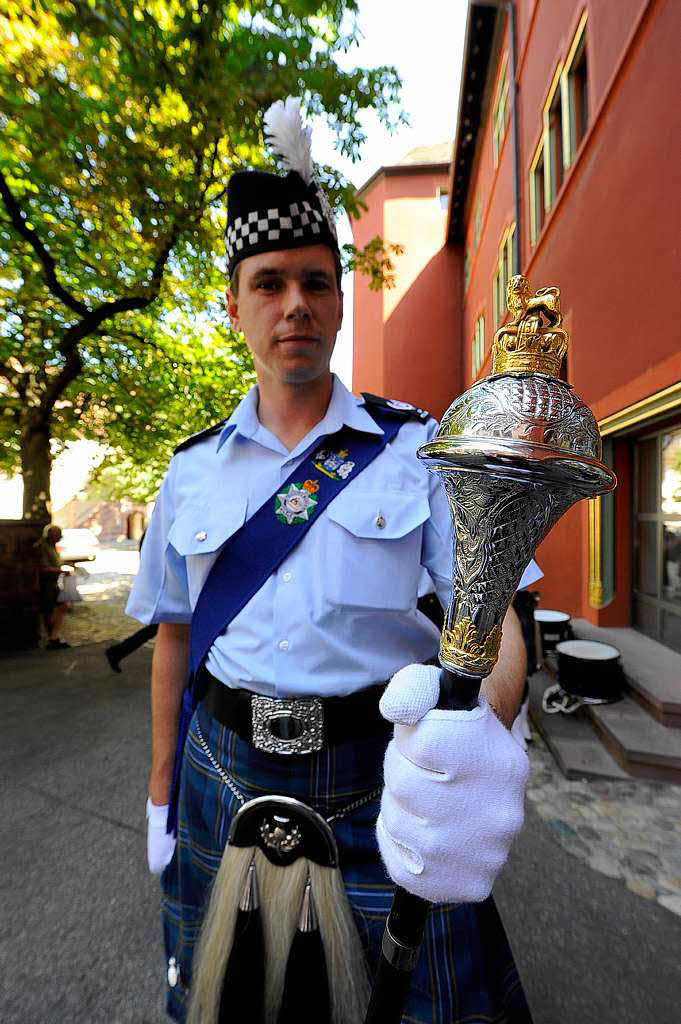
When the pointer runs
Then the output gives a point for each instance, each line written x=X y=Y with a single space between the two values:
x=289 y=138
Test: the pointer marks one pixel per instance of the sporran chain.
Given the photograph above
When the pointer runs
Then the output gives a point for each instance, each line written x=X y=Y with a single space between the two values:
x=234 y=789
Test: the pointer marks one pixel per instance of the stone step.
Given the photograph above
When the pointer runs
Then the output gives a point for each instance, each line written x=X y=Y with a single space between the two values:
x=572 y=739
x=641 y=745
x=652 y=671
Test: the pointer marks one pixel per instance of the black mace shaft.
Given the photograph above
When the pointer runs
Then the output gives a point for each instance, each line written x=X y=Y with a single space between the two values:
x=406 y=922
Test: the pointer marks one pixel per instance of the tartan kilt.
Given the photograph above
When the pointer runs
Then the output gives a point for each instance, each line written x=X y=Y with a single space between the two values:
x=465 y=974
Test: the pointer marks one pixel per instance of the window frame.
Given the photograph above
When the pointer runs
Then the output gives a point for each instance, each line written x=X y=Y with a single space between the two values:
x=504 y=271
x=478 y=345
x=500 y=110
x=658 y=604
x=551 y=187
x=477 y=223
x=537 y=205
x=570 y=141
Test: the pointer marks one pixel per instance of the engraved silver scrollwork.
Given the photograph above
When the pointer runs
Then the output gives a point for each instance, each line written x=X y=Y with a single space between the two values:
x=307 y=713
x=514 y=452
x=498 y=525
x=532 y=408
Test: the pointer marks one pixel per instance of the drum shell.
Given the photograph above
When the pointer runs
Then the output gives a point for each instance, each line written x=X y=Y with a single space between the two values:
x=593 y=680
x=552 y=631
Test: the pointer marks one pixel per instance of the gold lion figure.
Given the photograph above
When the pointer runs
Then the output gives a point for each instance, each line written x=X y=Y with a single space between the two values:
x=533 y=341
x=522 y=306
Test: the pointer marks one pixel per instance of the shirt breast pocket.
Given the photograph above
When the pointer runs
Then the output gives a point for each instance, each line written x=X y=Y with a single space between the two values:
x=199 y=533
x=375 y=548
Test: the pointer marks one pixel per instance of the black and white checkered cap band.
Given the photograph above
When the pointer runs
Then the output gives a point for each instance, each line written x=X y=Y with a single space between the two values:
x=272 y=225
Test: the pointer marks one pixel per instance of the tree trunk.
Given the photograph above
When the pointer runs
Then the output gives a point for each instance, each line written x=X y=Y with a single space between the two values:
x=36 y=463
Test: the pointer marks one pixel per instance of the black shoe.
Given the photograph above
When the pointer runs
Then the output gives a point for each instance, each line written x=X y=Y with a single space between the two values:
x=57 y=645
x=112 y=659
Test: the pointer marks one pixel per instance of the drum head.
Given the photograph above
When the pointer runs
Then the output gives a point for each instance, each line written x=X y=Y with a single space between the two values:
x=550 y=615
x=587 y=650
x=590 y=670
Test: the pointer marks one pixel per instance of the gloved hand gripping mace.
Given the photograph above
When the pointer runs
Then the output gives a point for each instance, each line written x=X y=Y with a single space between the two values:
x=515 y=452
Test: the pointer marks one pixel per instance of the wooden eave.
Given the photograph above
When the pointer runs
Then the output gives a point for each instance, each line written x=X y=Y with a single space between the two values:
x=482 y=41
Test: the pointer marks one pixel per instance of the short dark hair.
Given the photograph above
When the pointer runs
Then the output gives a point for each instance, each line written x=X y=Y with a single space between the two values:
x=234 y=280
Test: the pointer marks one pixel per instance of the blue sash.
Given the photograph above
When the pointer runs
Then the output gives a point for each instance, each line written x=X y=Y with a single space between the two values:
x=257 y=549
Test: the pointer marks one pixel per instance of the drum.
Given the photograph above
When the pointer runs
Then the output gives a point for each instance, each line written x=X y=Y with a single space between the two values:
x=554 y=626
x=590 y=670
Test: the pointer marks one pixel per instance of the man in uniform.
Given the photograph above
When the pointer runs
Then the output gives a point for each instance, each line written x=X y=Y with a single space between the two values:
x=335 y=616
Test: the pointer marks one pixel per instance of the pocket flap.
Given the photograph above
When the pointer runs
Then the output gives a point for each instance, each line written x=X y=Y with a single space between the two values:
x=198 y=531
x=379 y=515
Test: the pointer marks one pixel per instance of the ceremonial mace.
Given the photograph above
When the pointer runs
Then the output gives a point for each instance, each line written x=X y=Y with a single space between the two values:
x=514 y=452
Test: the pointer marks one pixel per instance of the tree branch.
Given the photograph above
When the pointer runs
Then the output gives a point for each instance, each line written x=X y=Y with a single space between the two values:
x=59 y=383
x=49 y=265
x=68 y=346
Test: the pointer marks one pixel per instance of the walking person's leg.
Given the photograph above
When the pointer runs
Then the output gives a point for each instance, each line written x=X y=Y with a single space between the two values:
x=53 y=617
x=117 y=652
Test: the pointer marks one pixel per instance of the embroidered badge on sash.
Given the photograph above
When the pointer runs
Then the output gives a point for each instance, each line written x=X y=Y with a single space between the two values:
x=296 y=503
x=333 y=464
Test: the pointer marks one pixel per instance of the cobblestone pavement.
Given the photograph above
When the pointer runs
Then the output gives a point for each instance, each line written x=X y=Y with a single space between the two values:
x=628 y=830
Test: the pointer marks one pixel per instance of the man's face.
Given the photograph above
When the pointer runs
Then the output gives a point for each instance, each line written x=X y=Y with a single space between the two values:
x=290 y=310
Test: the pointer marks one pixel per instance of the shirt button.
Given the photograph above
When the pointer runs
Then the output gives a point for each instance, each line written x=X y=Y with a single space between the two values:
x=283 y=645
x=380 y=521
x=201 y=535
x=287 y=577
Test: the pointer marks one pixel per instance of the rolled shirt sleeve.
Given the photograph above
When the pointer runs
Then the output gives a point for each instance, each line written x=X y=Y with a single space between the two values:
x=160 y=592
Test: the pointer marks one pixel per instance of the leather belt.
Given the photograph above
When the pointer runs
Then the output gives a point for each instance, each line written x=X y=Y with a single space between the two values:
x=295 y=725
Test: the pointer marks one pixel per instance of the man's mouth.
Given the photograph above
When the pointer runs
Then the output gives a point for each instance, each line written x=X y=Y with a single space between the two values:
x=300 y=337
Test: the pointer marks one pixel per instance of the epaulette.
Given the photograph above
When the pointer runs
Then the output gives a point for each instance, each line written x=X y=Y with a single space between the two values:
x=403 y=409
x=189 y=441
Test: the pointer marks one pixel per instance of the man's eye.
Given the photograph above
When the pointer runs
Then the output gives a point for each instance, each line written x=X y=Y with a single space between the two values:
x=268 y=286
x=318 y=286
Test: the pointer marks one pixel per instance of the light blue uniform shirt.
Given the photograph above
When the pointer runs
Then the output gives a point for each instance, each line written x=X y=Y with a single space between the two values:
x=340 y=612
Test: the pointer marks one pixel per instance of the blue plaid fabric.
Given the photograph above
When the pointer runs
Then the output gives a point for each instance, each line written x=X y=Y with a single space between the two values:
x=466 y=973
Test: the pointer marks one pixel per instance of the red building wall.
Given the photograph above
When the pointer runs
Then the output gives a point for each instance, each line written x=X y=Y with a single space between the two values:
x=407 y=337
x=610 y=242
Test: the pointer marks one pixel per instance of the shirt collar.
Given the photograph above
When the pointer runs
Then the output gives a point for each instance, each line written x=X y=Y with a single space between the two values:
x=344 y=409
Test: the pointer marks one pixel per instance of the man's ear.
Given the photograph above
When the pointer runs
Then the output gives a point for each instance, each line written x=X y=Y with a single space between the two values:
x=233 y=310
x=340 y=310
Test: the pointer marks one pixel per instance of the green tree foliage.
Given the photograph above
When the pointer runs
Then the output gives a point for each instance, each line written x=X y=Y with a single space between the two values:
x=120 y=122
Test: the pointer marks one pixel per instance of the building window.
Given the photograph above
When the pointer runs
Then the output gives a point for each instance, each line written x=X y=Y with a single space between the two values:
x=575 y=94
x=553 y=141
x=466 y=269
x=442 y=196
x=477 y=223
x=506 y=268
x=478 y=346
x=501 y=111
x=657 y=536
x=537 y=195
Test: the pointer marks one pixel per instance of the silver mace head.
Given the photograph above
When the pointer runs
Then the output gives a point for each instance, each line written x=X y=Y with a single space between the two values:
x=514 y=452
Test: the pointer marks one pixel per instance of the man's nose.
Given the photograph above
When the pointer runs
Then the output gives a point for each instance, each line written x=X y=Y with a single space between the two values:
x=296 y=306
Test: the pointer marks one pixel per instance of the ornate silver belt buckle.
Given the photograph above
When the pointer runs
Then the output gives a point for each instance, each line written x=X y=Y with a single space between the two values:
x=287 y=726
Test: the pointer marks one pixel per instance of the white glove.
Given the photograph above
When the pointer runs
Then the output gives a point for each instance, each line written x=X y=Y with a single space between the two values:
x=160 y=845
x=454 y=791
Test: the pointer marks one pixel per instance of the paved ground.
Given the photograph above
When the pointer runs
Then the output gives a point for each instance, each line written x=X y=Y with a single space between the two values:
x=590 y=896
